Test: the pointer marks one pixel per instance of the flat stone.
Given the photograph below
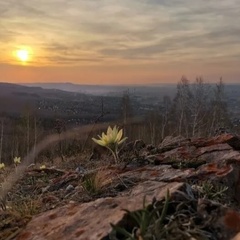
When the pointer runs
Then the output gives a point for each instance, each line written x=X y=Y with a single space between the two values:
x=232 y=140
x=159 y=173
x=213 y=148
x=91 y=221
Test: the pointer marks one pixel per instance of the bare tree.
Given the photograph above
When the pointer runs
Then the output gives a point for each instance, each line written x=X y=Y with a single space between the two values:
x=199 y=104
x=35 y=138
x=181 y=106
x=60 y=127
x=153 y=120
x=198 y=109
x=126 y=112
x=165 y=115
x=28 y=132
x=219 y=113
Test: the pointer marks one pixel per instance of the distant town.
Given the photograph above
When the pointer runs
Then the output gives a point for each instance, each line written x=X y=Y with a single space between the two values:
x=89 y=102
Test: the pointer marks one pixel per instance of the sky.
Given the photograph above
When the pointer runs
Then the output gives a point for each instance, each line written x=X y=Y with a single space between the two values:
x=119 y=41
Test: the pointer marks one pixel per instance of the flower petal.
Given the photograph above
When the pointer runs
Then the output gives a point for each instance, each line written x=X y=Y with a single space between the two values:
x=109 y=130
x=114 y=134
x=99 y=142
x=2 y=165
x=119 y=135
x=124 y=139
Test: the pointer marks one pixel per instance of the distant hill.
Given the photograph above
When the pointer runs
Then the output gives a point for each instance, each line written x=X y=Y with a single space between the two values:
x=15 y=98
x=10 y=88
x=111 y=90
x=89 y=89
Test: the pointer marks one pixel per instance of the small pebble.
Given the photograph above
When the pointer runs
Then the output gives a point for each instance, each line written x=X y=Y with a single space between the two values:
x=80 y=170
x=70 y=188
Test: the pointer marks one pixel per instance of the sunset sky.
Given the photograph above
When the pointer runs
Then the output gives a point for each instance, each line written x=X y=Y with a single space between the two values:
x=119 y=41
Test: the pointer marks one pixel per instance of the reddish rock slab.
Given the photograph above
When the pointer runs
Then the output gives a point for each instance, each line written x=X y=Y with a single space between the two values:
x=212 y=148
x=213 y=156
x=170 y=140
x=185 y=153
x=91 y=221
x=176 y=154
x=160 y=173
x=230 y=157
x=231 y=140
x=173 y=142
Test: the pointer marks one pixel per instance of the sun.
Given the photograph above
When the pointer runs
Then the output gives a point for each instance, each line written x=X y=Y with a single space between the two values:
x=23 y=55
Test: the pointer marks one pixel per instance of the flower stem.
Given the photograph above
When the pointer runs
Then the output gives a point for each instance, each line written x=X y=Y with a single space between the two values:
x=114 y=154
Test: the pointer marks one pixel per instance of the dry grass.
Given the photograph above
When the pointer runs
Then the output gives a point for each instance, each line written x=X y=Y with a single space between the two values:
x=94 y=183
x=26 y=207
x=13 y=177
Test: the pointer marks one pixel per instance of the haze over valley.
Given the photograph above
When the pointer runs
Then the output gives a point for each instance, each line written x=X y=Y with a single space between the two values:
x=80 y=104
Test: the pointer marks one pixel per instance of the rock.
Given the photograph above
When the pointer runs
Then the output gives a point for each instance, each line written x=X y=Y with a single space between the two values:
x=69 y=188
x=231 y=140
x=158 y=173
x=80 y=170
x=92 y=220
x=170 y=142
x=212 y=148
x=198 y=151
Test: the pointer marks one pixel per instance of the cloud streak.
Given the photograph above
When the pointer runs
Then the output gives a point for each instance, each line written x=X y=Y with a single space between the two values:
x=78 y=32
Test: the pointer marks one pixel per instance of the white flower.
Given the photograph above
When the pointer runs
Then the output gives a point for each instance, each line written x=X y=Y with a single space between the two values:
x=111 y=140
x=17 y=160
x=2 y=166
x=113 y=136
x=43 y=167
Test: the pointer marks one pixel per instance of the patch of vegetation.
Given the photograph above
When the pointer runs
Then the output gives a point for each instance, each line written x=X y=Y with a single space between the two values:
x=26 y=207
x=212 y=191
x=172 y=218
x=93 y=183
x=148 y=222
x=11 y=224
x=185 y=163
x=19 y=209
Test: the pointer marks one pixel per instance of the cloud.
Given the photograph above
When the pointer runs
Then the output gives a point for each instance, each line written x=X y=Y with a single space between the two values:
x=76 y=31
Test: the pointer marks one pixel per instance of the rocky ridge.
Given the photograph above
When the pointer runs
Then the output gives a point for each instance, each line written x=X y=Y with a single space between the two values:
x=201 y=175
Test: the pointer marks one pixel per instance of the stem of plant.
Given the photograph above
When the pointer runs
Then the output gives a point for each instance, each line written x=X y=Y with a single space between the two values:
x=114 y=154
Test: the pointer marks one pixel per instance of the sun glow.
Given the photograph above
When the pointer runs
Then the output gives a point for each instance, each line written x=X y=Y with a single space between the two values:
x=23 y=55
